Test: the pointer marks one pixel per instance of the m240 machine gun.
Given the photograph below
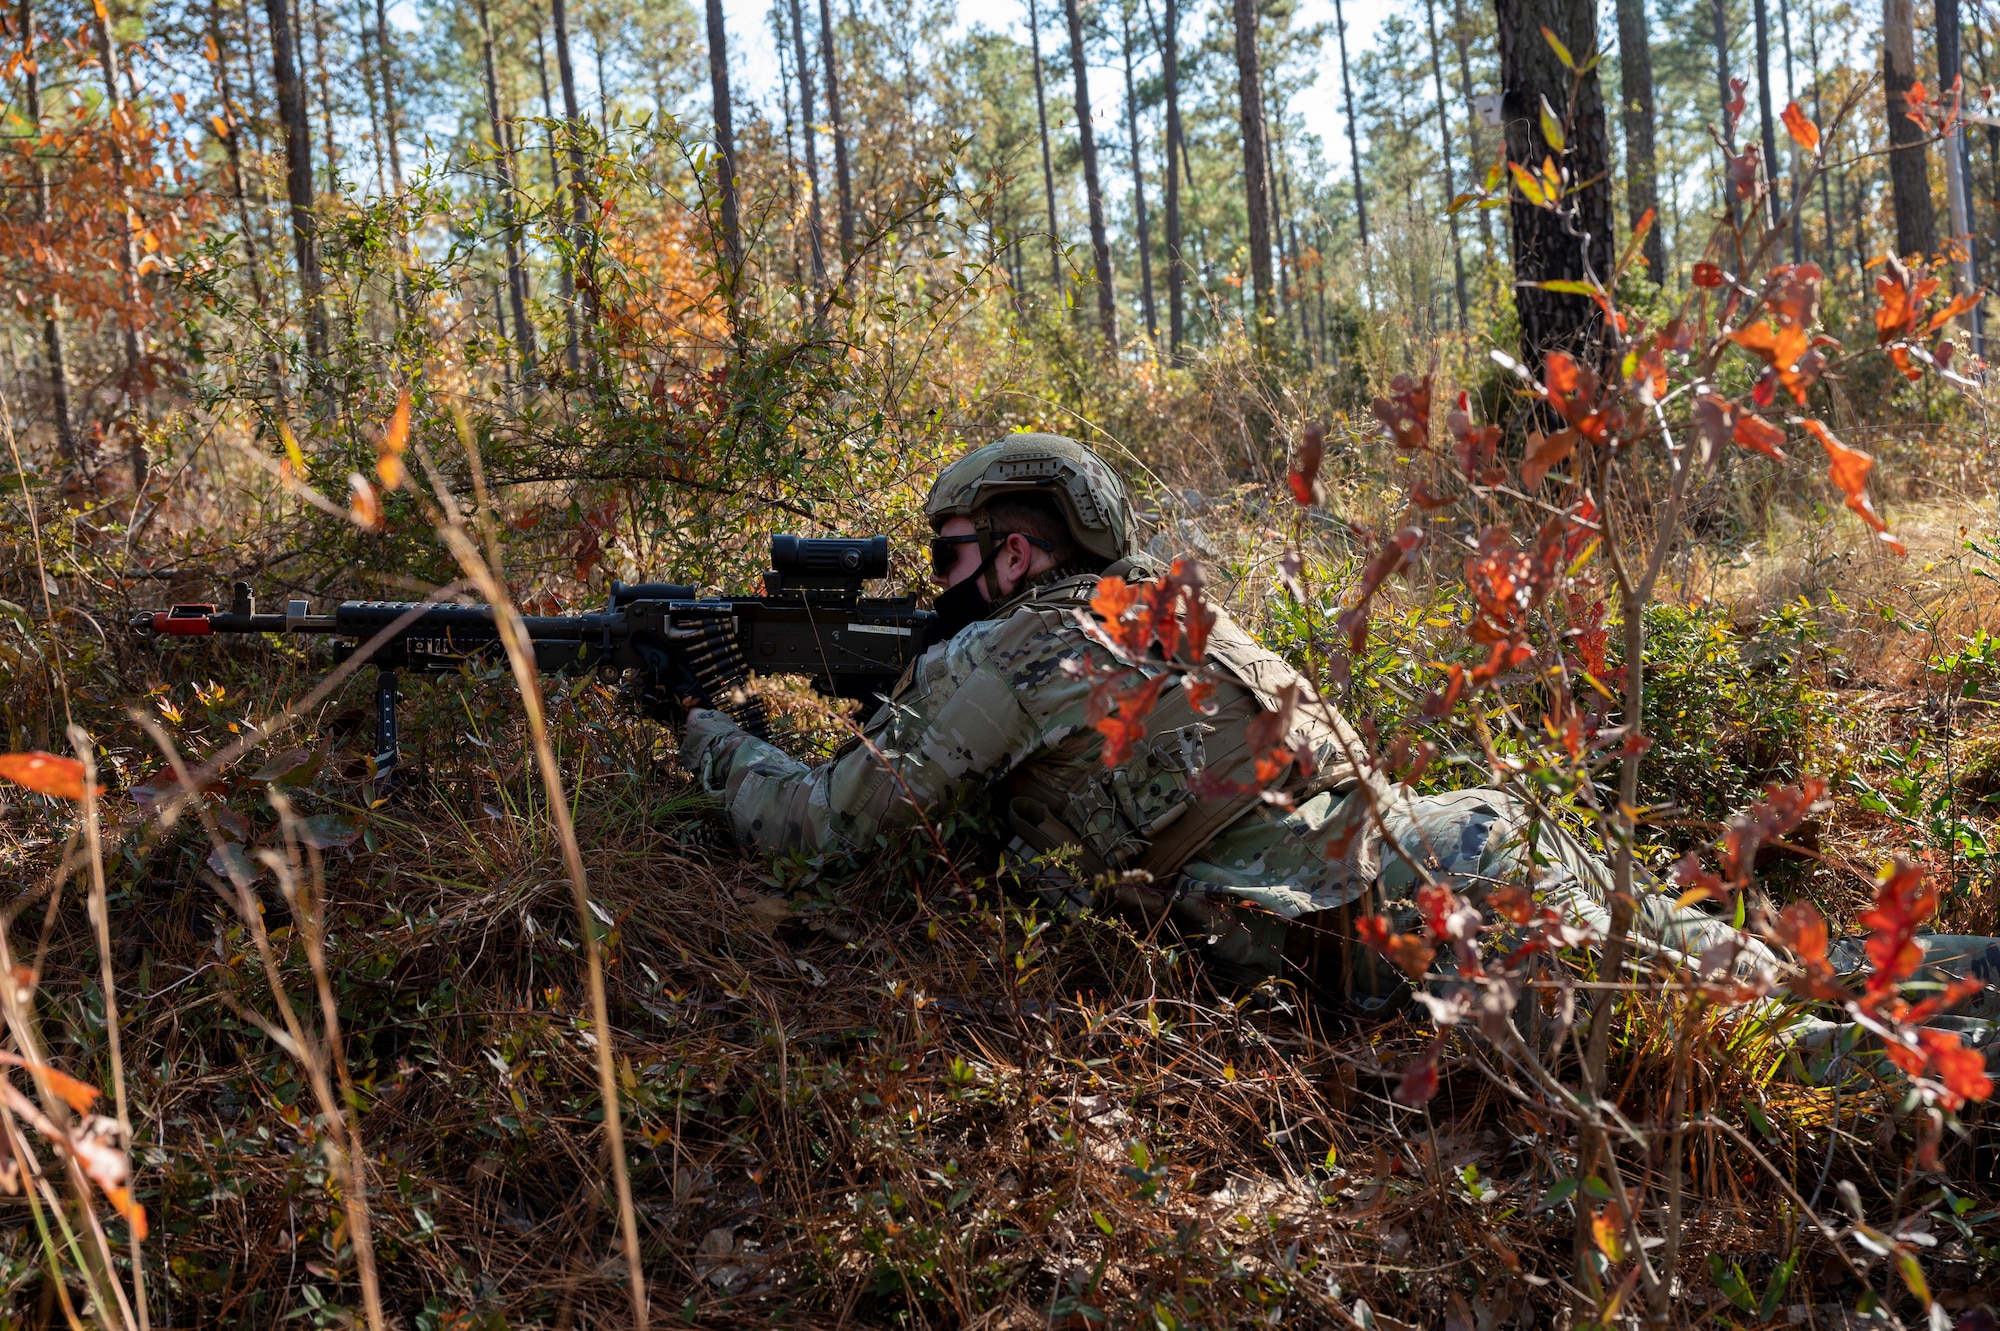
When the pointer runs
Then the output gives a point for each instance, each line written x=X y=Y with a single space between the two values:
x=669 y=647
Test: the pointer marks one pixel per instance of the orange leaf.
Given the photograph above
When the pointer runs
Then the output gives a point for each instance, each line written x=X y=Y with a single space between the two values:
x=1801 y=128
x=45 y=774
x=78 y=1095
x=135 y=1214
x=363 y=508
x=1126 y=725
x=1959 y=305
x=1903 y=901
x=1755 y=433
x=1606 y=1231
x=1544 y=452
x=395 y=439
x=1849 y=469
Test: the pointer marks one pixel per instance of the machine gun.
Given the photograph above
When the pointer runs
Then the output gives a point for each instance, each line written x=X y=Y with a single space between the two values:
x=668 y=647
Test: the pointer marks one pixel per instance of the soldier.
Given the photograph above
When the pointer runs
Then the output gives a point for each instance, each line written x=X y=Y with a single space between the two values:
x=1025 y=528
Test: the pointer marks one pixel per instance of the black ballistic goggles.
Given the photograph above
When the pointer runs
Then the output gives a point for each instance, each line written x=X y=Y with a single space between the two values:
x=944 y=549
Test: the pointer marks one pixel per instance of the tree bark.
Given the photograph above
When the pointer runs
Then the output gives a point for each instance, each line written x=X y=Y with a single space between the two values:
x=385 y=58
x=1444 y=156
x=517 y=273
x=290 y=92
x=1719 y=22
x=128 y=245
x=1797 y=200
x=579 y=189
x=1100 y=243
x=52 y=330
x=826 y=49
x=806 y=131
x=1353 y=134
x=325 y=96
x=725 y=139
x=1138 y=183
x=1461 y=36
x=1544 y=247
x=1635 y=79
x=1256 y=197
x=1176 y=268
x=1048 y=167
x=1958 y=172
x=1819 y=118
x=1761 y=10
x=567 y=279
x=1909 y=163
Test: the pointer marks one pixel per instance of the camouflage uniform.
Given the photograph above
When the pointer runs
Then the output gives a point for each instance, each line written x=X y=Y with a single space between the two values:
x=1001 y=706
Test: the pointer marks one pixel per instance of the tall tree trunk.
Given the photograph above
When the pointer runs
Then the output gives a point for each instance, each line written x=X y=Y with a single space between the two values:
x=52 y=329
x=1461 y=36
x=385 y=61
x=581 y=279
x=725 y=139
x=1138 y=182
x=361 y=34
x=1798 y=201
x=1958 y=171
x=233 y=149
x=791 y=160
x=556 y=186
x=325 y=97
x=291 y=95
x=1256 y=197
x=840 y=173
x=807 y=132
x=1444 y=156
x=1176 y=266
x=1353 y=133
x=1770 y=134
x=1718 y=14
x=1286 y=313
x=517 y=273
x=1048 y=167
x=1635 y=80
x=1549 y=246
x=1819 y=118
x=1086 y=137
x=1909 y=163
x=128 y=248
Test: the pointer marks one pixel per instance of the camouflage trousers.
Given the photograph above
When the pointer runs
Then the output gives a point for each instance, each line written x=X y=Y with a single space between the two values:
x=1478 y=839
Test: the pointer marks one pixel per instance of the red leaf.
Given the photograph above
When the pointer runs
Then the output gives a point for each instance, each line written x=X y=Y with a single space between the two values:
x=1755 y=433
x=1709 y=275
x=45 y=773
x=1513 y=902
x=1406 y=412
x=1544 y=452
x=1848 y=467
x=1420 y=1080
x=1409 y=952
x=1307 y=489
x=1903 y=901
x=1126 y=725
x=1801 y=128
x=1940 y=1054
x=1474 y=443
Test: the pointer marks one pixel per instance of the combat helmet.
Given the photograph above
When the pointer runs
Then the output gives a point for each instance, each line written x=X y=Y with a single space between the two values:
x=1092 y=499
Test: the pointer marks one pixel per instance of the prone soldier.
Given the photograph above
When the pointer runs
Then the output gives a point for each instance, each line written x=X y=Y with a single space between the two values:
x=1024 y=529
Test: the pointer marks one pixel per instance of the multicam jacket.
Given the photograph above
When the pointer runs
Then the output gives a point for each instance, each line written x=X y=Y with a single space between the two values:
x=996 y=706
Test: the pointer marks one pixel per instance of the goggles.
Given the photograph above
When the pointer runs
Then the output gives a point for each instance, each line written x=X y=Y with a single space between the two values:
x=944 y=549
